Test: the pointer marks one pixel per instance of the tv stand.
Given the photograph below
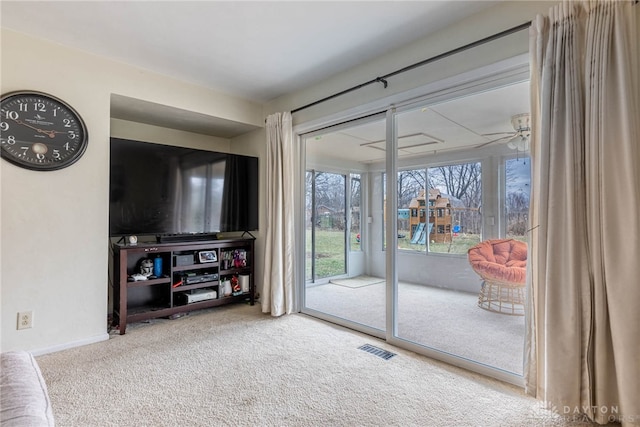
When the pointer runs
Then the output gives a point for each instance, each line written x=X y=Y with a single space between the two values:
x=194 y=275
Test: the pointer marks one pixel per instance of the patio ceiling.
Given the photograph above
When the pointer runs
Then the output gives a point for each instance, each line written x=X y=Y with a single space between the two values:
x=460 y=123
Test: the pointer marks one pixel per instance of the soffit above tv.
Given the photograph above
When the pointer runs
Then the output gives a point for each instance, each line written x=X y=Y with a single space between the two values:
x=151 y=113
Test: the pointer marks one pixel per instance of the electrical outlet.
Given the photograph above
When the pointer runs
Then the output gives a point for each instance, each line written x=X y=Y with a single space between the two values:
x=25 y=319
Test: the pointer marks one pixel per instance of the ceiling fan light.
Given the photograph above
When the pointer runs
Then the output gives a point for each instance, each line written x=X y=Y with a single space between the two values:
x=522 y=144
x=519 y=142
x=520 y=122
x=513 y=142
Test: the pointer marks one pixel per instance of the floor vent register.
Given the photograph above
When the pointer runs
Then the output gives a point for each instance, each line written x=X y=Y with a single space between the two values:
x=386 y=355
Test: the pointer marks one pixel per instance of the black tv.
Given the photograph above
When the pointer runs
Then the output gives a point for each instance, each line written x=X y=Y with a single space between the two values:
x=177 y=192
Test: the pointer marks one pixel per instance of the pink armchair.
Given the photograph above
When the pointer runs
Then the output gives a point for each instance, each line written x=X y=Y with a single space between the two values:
x=501 y=263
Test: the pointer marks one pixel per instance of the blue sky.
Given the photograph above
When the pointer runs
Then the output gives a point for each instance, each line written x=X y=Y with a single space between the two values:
x=518 y=175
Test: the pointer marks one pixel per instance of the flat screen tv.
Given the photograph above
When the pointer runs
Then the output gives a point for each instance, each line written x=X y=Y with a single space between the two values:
x=164 y=190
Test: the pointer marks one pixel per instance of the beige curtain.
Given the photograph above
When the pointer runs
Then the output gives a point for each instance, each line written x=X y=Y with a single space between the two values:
x=279 y=279
x=584 y=335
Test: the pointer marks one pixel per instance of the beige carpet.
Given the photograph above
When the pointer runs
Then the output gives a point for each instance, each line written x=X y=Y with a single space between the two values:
x=233 y=366
x=442 y=319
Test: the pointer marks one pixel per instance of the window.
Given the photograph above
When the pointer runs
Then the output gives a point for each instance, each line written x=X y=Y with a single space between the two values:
x=325 y=224
x=517 y=191
x=445 y=204
x=410 y=191
x=355 y=203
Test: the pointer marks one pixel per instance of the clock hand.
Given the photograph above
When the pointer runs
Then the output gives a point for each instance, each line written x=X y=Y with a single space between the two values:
x=20 y=122
x=49 y=133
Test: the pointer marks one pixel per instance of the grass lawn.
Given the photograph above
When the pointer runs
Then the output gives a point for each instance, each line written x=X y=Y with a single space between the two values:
x=330 y=253
x=330 y=250
x=460 y=244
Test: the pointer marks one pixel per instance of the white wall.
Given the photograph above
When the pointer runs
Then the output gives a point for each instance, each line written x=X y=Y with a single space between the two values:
x=161 y=135
x=54 y=225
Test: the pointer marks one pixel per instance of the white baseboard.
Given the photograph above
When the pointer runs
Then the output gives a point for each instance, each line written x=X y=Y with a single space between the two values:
x=72 y=344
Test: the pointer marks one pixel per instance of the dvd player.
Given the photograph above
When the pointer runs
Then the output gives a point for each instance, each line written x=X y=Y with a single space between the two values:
x=198 y=295
x=190 y=279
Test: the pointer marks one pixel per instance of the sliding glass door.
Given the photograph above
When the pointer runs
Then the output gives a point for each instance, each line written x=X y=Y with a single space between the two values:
x=344 y=260
x=394 y=203
x=458 y=186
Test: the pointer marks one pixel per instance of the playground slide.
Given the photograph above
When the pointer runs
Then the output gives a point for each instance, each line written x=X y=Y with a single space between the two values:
x=418 y=233
x=423 y=238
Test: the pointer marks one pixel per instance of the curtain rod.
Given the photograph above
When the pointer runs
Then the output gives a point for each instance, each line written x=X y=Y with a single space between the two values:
x=383 y=79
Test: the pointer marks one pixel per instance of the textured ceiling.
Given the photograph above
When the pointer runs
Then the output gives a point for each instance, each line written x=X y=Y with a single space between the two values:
x=452 y=125
x=262 y=50
x=254 y=50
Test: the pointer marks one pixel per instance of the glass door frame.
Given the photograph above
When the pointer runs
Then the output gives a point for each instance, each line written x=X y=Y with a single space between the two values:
x=484 y=80
x=365 y=247
x=495 y=176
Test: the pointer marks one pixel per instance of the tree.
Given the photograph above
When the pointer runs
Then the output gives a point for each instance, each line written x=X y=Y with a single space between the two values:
x=329 y=192
x=410 y=182
x=462 y=181
x=517 y=207
x=329 y=189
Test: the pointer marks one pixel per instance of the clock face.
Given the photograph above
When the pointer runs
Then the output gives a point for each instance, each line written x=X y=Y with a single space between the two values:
x=40 y=132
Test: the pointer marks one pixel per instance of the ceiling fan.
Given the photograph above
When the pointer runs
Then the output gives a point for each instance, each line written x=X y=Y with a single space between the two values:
x=519 y=138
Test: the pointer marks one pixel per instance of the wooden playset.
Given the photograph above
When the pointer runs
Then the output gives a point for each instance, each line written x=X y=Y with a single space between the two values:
x=439 y=212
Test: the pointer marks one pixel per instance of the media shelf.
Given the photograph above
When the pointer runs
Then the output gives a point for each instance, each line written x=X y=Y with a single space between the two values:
x=194 y=275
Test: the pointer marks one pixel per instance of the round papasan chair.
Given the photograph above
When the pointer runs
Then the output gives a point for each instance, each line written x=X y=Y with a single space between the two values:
x=501 y=263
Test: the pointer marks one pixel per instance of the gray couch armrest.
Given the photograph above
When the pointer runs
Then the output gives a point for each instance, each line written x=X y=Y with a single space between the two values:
x=24 y=400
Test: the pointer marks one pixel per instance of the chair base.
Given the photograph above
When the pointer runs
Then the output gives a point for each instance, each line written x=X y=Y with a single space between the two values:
x=504 y=298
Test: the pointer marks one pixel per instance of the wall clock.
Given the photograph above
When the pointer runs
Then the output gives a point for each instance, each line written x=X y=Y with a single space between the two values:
x=40 y=132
